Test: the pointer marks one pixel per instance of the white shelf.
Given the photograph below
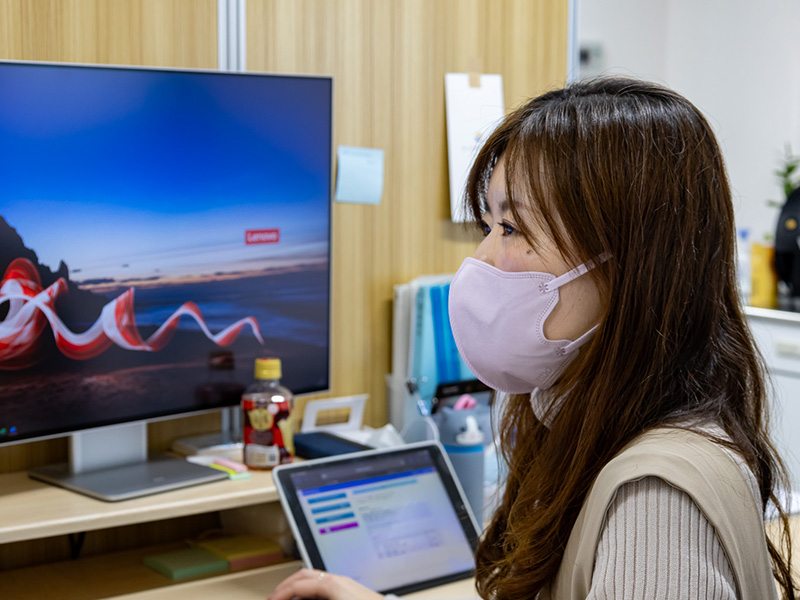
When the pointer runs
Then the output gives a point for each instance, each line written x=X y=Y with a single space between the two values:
x=772 y=314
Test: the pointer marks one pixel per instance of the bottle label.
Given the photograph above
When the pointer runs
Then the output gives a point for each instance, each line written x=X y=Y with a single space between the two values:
x=268 y=435
x=256 y=455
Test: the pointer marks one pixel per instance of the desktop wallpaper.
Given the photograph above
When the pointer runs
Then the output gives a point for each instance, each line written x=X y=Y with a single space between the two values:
x=159 y=230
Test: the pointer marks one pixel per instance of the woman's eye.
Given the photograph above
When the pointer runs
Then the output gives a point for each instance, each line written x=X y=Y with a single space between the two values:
x=485 y=229
x=508 y=229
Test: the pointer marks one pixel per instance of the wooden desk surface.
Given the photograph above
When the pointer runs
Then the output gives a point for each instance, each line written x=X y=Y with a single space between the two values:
x=62 y=580
x=32 y=509
x=252 y=585
x=794 y=526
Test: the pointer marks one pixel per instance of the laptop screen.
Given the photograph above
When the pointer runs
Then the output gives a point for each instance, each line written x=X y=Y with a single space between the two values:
x=391 y=520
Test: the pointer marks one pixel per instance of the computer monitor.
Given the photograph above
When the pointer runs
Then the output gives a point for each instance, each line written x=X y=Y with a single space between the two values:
x=159 y=230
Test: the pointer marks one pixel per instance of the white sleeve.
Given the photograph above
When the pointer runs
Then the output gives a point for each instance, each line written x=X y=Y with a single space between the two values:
x=656 y=543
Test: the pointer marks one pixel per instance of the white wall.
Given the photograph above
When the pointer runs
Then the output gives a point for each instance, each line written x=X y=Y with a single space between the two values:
x=632 y=34
x=737 y=60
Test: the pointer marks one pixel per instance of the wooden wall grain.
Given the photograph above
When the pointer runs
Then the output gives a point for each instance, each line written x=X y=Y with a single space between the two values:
x=176 y=33
x=388 y=59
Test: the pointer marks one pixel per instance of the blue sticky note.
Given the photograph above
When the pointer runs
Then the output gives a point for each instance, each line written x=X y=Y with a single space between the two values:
x=359 y=175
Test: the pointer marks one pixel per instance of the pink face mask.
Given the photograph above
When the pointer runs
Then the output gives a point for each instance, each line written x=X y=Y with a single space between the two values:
x=498 y=324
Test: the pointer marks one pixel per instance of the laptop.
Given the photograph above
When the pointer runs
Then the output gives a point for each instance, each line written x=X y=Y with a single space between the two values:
x=394 y=519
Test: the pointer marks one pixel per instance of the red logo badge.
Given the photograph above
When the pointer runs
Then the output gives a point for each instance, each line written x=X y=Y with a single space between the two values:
x=262 y=236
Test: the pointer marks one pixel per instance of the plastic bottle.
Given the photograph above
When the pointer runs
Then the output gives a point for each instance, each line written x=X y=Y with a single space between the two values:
x=744 y=272
x=463 y=439
x=765 y=281
x=267 y=410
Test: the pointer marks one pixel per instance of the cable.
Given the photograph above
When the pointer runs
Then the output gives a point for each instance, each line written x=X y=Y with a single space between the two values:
x=425 y=416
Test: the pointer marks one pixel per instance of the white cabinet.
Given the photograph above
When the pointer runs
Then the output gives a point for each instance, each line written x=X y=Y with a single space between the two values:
x=786 y=422
x=777 y=334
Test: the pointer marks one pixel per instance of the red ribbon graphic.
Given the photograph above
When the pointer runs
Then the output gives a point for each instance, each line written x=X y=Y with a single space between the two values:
x=30 y=308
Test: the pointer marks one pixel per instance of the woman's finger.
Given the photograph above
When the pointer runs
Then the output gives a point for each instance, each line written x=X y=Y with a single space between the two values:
x=309 y=583
x=288 y=587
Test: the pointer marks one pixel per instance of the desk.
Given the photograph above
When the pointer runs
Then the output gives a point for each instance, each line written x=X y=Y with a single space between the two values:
x=794 y=526
x=254 y=585
x=31 y=509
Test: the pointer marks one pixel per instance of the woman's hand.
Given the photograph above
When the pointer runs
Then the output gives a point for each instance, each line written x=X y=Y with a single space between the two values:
x=308 y=583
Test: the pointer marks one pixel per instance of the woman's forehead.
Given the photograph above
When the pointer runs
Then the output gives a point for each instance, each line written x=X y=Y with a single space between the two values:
x=496 y=198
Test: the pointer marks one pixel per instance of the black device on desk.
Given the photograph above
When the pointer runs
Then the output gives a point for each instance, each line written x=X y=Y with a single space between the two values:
x=318 y=444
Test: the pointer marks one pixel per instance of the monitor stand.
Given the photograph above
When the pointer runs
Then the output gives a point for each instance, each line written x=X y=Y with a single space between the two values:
x=112 y=464
x=226 y=443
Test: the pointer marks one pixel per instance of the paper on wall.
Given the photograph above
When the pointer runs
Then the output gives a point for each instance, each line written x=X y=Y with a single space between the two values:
x=359 y=175
x=472 y=115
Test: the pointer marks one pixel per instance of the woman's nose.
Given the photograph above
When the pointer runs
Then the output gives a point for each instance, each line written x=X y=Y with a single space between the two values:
x=486 y=250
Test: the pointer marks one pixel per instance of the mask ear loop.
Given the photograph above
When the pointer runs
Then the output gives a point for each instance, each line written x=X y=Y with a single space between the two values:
x=566 y=278
x=556 y=283
x=579 y=342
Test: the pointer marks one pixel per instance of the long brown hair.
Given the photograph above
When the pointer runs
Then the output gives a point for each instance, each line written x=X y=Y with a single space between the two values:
x=633 y=169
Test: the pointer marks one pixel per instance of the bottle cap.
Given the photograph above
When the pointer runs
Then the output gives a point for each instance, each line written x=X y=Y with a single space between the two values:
x=268 y=368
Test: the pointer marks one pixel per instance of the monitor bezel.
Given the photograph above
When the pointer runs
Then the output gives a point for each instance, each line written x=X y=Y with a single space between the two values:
x=195 y=411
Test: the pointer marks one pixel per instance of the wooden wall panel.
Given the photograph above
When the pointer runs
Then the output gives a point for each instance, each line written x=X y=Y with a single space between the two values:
x=176 y=33
x=388 y=59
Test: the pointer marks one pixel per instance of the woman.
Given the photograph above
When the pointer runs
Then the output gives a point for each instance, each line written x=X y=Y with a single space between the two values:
x=640 y=466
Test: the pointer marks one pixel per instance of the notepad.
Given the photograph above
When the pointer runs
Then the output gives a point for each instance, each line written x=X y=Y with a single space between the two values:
x=244 y=551
x=186 y=563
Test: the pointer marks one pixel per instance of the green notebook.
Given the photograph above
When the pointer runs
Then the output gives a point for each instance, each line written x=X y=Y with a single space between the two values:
x=186 y=563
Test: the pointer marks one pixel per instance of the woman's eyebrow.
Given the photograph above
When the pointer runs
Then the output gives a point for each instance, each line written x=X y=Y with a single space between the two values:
x=503 y=207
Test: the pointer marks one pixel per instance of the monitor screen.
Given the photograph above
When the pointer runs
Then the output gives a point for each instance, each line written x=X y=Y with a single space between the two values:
x=159 y=230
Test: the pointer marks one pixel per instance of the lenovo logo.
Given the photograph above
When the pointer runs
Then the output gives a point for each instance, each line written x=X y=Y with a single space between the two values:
x=262 y=236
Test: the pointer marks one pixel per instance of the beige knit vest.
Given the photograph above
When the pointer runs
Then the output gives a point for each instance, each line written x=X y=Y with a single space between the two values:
x=702 y=469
